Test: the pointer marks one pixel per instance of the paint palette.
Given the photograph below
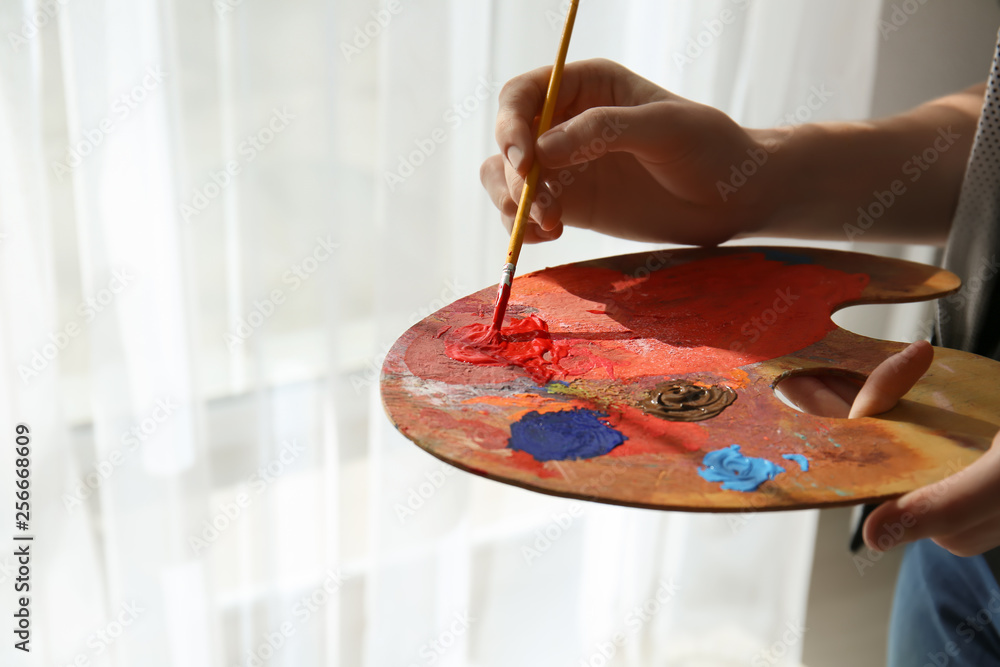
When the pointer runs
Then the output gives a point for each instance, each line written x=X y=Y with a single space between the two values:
x=655 y=365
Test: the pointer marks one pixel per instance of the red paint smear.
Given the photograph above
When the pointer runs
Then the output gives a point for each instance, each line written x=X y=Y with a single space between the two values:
x=710 y=315
x=525 y=343
x=583 y=362
x=525 y=461
x=651 y=435
x=483 y=434
x=645 y=435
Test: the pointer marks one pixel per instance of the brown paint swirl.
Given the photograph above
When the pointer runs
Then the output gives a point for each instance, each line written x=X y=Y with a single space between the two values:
x=683 y=401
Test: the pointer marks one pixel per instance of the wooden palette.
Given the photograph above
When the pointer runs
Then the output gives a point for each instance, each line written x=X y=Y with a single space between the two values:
x=741 y=318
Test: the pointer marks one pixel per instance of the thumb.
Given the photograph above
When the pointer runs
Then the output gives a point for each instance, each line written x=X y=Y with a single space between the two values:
x=892 y=379
x=950 y=507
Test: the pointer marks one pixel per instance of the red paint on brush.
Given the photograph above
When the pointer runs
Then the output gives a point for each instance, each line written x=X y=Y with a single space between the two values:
x=500 y=308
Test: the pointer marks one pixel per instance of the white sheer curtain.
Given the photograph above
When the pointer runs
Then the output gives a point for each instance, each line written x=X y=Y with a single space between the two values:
x=216 y=217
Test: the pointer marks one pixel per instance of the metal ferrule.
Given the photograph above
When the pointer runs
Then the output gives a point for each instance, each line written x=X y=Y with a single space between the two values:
x=508 y=274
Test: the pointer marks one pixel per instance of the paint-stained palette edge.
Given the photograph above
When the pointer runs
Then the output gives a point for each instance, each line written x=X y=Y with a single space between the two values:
x=891 y=281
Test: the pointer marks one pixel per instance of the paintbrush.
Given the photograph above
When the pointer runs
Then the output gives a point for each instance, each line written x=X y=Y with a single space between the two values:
x=528 y=193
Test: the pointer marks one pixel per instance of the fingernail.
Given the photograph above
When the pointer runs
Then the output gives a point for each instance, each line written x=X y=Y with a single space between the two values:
x=543 y=195
x=555 y=145
x=543 y=200
x=514 y=157
x=536 y=213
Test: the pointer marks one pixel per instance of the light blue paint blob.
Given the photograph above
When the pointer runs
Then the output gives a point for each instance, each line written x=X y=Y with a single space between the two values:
x=735 y=471
x=798 y=458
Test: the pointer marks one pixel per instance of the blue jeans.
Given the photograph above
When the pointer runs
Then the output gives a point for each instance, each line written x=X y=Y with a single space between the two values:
x=946 y=611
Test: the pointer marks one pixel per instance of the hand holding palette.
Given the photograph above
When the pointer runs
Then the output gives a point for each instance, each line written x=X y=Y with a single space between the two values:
x=647 y=380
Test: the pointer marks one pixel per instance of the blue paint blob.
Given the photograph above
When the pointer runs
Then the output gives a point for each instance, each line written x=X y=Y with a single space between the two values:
x=565 y=435
x=798 y=458
x=735 y=471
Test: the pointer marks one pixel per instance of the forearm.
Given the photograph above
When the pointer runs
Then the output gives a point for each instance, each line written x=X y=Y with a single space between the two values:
x=895 y=179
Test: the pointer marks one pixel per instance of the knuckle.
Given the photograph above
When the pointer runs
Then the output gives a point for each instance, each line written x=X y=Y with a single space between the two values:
x=489 y=171
x=601 y=68
x=511 y=88
x=587 y=126
x=598 y=117
x=506 y=129
x=508 y=207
